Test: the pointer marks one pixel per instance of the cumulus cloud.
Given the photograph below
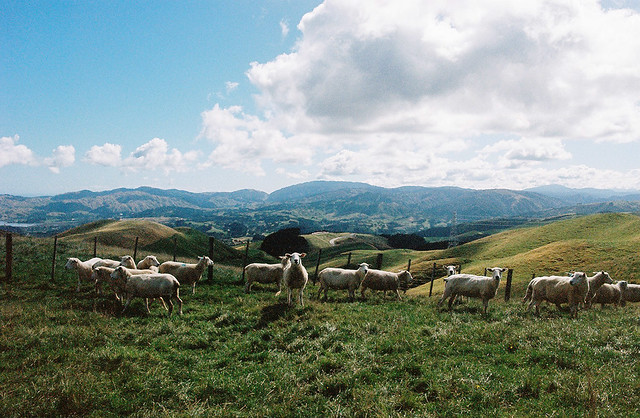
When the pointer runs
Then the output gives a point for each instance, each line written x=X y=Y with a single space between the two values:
x=396 y=92
x=151 y=156
x=107 y=155
x=13 y=153
x=231 y=86
x=62 y=156
x=242 y=141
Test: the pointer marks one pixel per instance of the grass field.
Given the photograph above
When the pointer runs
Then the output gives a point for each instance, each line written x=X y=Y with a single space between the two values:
x=233 y=354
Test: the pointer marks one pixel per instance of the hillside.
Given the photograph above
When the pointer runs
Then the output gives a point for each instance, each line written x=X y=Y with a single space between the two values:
x=607 y=242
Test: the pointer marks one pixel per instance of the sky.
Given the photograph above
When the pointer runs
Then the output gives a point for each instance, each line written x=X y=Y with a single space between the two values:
x=222 y=95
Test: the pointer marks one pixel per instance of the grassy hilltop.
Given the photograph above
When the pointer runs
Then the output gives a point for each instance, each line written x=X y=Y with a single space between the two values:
x=237 y=354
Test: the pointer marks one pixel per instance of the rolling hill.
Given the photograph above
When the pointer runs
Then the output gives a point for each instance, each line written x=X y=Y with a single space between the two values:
x=312 y=206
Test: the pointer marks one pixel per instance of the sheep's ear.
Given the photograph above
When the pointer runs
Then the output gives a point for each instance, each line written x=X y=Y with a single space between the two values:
x=303 y=255
x=503 y=270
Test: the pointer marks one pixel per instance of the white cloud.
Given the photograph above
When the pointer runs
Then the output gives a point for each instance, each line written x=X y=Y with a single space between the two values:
x=284 y=28
x=243 y=141
x=62 y=156
x=13 y=153
x=155 y=155
x=151 y=156
x=107 y=155
x=231 y=86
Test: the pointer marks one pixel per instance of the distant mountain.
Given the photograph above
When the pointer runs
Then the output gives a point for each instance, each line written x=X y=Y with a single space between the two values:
x=587 y=195
x=312 y=206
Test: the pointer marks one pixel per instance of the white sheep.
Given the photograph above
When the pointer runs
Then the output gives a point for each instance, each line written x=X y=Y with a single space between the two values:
x=610 y=293
x=149 y=262
x=472 y=286
x=126 y=261
x=560 y=289
x=599 y=278
x=155 y=285
x=82 y=268
x=265 y=273
x=337 y=278
x=631 y=293
x=102 y=274
x=186 y=273
x=385 y=280
x=295 y=276
x=451 y=270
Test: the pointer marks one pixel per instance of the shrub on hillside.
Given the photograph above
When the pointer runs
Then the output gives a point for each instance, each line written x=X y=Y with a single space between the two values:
x=284 y=241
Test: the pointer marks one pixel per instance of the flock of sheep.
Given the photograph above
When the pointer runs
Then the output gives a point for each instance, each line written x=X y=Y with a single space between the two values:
x=149 y=279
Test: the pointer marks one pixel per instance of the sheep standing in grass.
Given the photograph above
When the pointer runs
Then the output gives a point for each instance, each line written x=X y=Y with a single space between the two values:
x=560 y=289
x=631 y=293
x=599 y=278
x=265 y=273
x=295 y=276
x=385 y=280
x=155 y=285
x=336 y=278
x=102 y=274
x=187 y=274
x=126 y=261
x=149 y=262
x=82 y=268
x=472 y=286
x=610 y=293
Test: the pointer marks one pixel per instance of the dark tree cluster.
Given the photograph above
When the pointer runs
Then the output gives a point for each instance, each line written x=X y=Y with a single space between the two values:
x=284 y=241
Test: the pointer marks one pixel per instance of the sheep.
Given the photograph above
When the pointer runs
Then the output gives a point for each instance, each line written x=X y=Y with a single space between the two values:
x=610 y=293
x=599 y=278
x=102 y=274
x=336 y=278
x=126 y=261
x=83 y=268
x=631 y=293
x=385 y=280
x=149 y=262
x=560 y=289
x=473 y=286
x=154 y=285
x=451 y=270
x=295 y=276
x=187 y=274
x=265 y=273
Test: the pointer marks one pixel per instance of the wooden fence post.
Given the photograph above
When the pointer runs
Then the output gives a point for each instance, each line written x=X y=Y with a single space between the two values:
x=485 y=271
x=315 y=276
x=244 y=260
x=379 y=262
x=53 y=262
x=135 y=250
x=9 y=261
x=95 y=246
x=348 y=259
x=409 y=266
x=433 y=277
x=210 y=269
x=175 y=247
x=507 y=290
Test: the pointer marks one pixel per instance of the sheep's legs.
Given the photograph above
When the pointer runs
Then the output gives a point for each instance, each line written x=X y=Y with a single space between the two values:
x=146 y=304
x=193 y=292
x=126 y=305
x=300 y=297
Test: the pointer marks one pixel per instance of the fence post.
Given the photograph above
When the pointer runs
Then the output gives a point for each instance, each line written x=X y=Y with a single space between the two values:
x=53 y=262
x=9 y=260
x=135 y=250
x=433 y=277
x=507 y=290
x=409 y=266
x=348 y=259
x=210 y=272
x=95 y=246
x=379 y=262
x=244 y=260
x=315 y=276
x=485 y=271
x=175 y=247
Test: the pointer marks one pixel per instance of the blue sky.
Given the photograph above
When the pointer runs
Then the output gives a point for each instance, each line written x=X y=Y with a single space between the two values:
x=225 y=95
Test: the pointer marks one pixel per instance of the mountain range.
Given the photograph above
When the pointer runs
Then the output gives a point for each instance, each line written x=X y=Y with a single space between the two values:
x=312 y=206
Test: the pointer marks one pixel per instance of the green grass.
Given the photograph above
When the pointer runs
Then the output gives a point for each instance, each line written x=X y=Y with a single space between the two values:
x=233 y=354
